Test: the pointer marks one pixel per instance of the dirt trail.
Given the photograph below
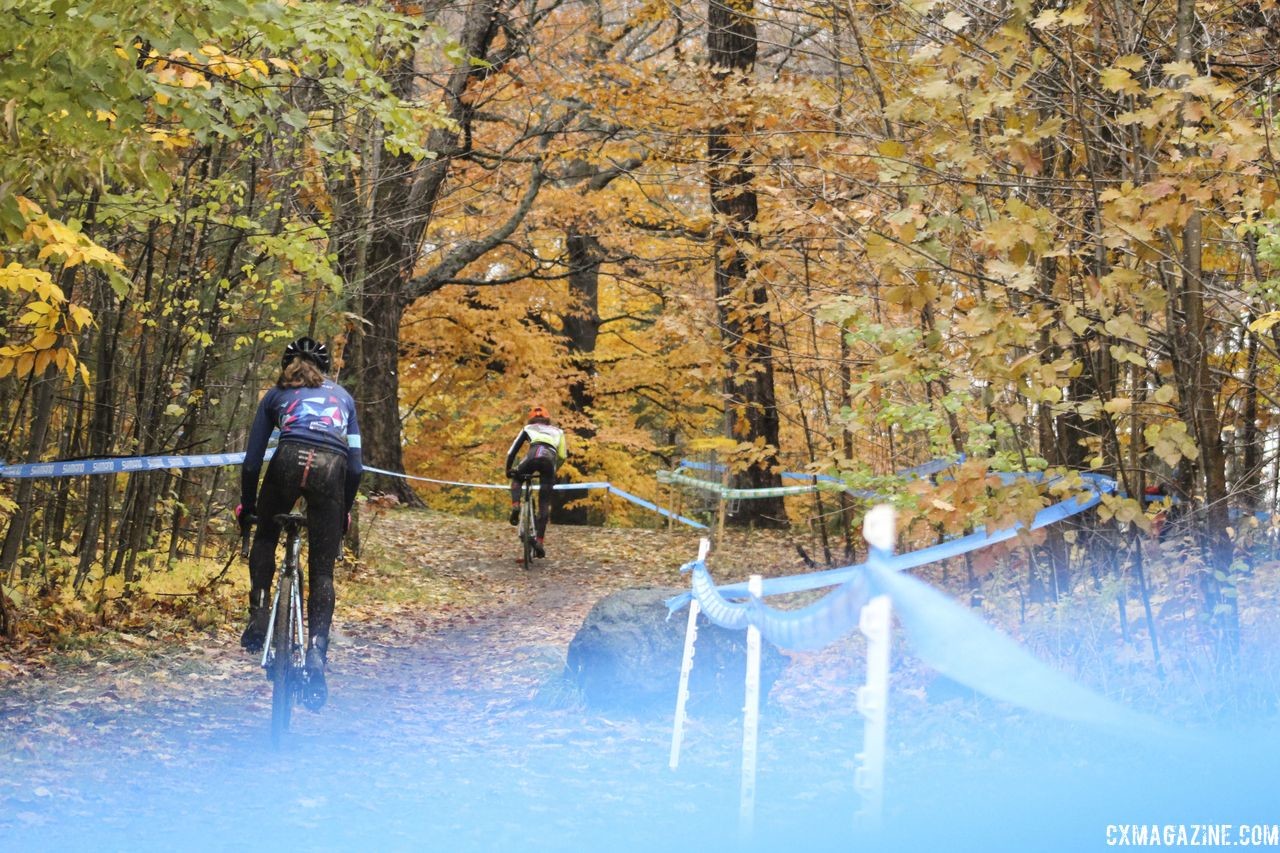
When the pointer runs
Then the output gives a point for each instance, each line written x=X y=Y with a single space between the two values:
x=441 y=642
x=432 y=738
x=439 y=602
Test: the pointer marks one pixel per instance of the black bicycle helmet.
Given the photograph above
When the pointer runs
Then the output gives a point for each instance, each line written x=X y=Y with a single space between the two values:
x=312 y=350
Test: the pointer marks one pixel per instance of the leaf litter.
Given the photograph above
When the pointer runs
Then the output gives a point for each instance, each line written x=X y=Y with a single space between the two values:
x=440 y=726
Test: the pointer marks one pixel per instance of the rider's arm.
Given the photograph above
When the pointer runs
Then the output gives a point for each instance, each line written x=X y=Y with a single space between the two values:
x=562 y=450
x=515 y=448
x=355 y=461
x=255 y=450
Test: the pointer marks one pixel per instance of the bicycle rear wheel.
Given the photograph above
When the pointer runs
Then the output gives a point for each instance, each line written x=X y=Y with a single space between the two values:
x=282 y=663
x=526 y=524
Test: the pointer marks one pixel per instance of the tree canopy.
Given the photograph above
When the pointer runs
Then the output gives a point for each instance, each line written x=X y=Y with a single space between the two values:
x=847 y=237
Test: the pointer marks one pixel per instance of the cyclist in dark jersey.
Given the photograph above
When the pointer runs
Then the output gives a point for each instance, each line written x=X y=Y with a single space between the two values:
x=546 y=452
x=317 y=458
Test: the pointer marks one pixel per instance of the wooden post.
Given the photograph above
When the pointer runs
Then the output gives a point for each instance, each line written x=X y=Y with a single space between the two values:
x=678 y=509
x=724 y=487
x=750 y=722
x=671 y=505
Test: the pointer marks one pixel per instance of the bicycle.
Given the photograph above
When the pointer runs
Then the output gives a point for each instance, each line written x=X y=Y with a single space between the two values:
x=527 y=527
x=285 y=645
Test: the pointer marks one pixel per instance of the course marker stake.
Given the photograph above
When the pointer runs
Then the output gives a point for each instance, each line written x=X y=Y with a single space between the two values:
x=750 y=721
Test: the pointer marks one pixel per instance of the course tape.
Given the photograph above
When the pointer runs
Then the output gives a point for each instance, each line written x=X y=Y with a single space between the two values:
x=925 y=469
x=501 y=486
x=953 y=640
x=727 y=493
x=818 y=482
x=608 y=487
x=78 y=467
x=649 y=505
x=111 y=465
x=947 y=636
x=913 y=559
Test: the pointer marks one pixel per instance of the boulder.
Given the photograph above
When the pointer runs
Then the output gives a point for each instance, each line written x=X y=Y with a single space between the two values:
x=626 y=657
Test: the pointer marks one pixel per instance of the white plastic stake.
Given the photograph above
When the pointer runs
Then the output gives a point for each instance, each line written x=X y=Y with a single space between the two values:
x=873 y=705
x=879 y=527
x=750 y=722
x=686 y=667
x=880 y=530
x=682 y=694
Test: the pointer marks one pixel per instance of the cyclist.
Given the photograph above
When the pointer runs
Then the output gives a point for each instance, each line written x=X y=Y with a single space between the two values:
x=318 y=458
x=546 y=453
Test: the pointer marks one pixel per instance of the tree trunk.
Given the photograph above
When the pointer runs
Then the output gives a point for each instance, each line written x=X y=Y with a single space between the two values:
x=581 y=328
x=582 y=325
x=378 y=384
x=1192 y=366
x=101 y=428
x=23 y=495
x=403 y=206
x=6 y=621
x=1251 y=438
x=742 y=303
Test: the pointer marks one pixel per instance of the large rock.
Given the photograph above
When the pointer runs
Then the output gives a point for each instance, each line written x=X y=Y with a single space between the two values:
x=626 y=657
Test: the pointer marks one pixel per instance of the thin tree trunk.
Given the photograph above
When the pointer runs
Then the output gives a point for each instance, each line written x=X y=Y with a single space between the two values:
x=1251 y=438
x=1197 y=384
x=846 y=445
x=101 y=428
x=20 y=521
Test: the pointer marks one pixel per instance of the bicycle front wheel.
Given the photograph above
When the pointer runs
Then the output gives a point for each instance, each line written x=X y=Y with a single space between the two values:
x=282 y=663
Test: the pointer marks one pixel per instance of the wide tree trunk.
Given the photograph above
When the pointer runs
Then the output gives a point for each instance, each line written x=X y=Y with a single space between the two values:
x=386 y=257
x=378 y=383
x=402 y=208
x=582 y=325
x=751 y=410
x=581 y=329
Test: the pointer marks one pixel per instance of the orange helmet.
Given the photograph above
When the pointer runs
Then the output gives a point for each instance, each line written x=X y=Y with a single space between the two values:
x=537 y=412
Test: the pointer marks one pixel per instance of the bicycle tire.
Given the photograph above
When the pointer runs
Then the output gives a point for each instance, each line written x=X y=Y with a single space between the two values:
x=526 y=524
x=282 y=664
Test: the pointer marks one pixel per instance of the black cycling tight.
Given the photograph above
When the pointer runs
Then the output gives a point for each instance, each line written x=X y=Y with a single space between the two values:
x=302 y=470
x=545 y=467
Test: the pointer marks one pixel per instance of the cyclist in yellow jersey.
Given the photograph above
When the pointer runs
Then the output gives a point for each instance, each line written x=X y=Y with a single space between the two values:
x=546 y=453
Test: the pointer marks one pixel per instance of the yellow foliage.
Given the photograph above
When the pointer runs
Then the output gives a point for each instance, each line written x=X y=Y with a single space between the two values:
x=53 y=323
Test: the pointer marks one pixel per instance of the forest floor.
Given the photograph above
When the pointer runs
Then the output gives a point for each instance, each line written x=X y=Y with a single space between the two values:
x=152 y=733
